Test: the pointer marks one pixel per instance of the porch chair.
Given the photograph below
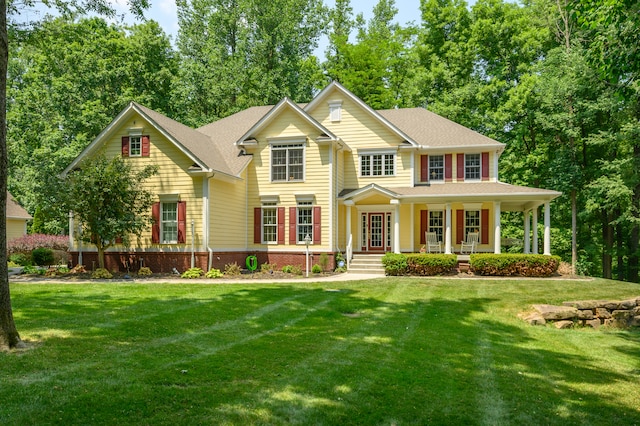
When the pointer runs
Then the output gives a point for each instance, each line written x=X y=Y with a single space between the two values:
x=469 y=246
x=433 y=245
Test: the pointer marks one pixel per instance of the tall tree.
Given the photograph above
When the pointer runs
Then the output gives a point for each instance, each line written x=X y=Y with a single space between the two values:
x=9 y=336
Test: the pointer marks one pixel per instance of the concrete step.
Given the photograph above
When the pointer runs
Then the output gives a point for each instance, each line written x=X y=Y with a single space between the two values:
x=366 y=264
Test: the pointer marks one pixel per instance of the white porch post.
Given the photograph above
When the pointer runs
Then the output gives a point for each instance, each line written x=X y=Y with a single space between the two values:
x=447 y=229
x=547 y=229
x=535 y=231
x=348 y=205
x=71 y=229
x=497 y=242
x=527 y=231
x=396 y=226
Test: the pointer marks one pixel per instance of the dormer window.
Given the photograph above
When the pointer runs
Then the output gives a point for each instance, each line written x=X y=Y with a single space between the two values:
x=335 y=111
x=135 y=146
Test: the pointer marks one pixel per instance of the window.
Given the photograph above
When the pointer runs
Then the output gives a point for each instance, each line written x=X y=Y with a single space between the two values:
x=377 y=165
x=436 y=167
x=169 y=223
x=335 y=111
x=287 y=162
x=471 y=222
x=135 y=146
x=472 y=166
x=304 y=223
x=269 y=223
x=436 y=222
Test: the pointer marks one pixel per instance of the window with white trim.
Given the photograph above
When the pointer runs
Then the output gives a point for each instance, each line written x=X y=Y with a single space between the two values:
x=436 y=222
x=436 y=167
x=135 y=146
x=377 y=164
x=471 y=222
x=472 y=166
x=269 y=223
x=287 y=162
x=304 y=222
x=169 y=222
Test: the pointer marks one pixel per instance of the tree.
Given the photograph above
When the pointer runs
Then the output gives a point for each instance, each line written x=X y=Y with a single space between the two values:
x=109 y=201
x=9 y=336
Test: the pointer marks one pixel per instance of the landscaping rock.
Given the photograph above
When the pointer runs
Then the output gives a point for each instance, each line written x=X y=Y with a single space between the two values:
x=627 y=304
x=635 y=321
x=552 y=312
x=621 y=315
x=563 y=324
x=533 y=318
x=594 y=323
x=584 y=304
x=585 y=314
x=603 y=313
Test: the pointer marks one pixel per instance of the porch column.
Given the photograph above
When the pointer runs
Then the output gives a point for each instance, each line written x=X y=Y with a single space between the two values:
x=535 y=231
x=527 y=231
x=71 y=229
x=497 y=242
x=447 y=229
x=396 y=226
x=547 y=229
x=348 y=205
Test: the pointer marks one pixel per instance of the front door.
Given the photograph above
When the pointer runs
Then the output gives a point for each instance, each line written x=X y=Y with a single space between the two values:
x=376 y=232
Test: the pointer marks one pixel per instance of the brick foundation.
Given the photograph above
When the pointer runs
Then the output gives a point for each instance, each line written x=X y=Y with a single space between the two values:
x=165 y=262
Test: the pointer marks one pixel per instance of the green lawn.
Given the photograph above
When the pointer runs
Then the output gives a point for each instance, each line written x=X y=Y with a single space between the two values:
x=388 y=351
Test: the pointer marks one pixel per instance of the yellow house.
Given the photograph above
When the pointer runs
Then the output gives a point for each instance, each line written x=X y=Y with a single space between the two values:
x=17 y=218
x=333 y=175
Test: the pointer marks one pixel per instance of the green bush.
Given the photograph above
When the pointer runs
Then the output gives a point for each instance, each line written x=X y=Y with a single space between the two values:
x=526 y=265
x=144 y=271
x=323 y=261
x=214 y=273
x=267 y=267
x=316 y=269
x=42 y=256
x=21 y=259
x=192 y=273
x=101 y=273
x=430 y=264
x=296 y=270
x=394 y=264
x=287 y=269
x=232 y=269
x=30 y=269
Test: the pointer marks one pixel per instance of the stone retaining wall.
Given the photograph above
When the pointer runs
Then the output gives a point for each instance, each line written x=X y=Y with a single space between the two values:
x=587 y=313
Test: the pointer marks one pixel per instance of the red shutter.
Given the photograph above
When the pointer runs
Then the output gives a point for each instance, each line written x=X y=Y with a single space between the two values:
x=424 y=221
x=155 y=228
x=317 y=228
x=484 y=226
x=257 y=225
x=146 y=146
x=460 y=166
x=485 y=166
x=293 y=229
x=447 y=168
x=125 y=146
x=424 y=168
x=182 y=222
x=459 y=226
x=281 y=225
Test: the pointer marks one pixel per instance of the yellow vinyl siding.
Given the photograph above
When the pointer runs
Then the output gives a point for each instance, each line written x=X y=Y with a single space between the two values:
x=316 y=176
x=172 y=178
x=16 y=228
x=228 y=215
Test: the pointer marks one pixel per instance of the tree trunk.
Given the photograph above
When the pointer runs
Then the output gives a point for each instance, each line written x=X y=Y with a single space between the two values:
x=574 y=231
x=607 y=246
x=100 y=256
x=9 y=337
x=620 y=249
x=633 y=254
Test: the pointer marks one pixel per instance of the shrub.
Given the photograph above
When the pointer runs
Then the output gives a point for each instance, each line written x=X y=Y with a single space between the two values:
x=296 y=270
x=144 y=271
x=29 y=269
x=316 y=269
x=287 y=269
x=192 y=273
x=323 y=261
x=101 y=273
x=340 y=269
x=267 y=267
x=340 y=258
x=526 y=265
x=232 y=269
x=214 y=273
x=394 y=264
x=28 y=243
x=430 y=264
x=20 y=259
x=42 y=256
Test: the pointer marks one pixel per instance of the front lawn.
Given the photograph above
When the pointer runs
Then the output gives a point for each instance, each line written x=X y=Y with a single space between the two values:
x=386 y=351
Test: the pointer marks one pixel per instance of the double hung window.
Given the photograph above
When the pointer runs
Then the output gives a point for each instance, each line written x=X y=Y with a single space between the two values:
x=436 y=222
x=269 y=223
x=304 y=223
x=287 y=162
x=436 y=167
x=169 y=223
x=377 y=165
x=135 y=146
x=471 y=221
x=472 y=166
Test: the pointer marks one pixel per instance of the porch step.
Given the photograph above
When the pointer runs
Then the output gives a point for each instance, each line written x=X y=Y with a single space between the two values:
x=366 y=264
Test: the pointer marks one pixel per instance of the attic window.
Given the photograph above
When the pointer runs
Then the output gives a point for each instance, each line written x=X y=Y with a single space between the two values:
x=335 y=111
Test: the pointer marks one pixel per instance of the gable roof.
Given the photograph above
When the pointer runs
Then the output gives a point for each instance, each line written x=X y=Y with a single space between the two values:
x=15 y=210
x=431 y=130
x=334 y=85
x=273 y=113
